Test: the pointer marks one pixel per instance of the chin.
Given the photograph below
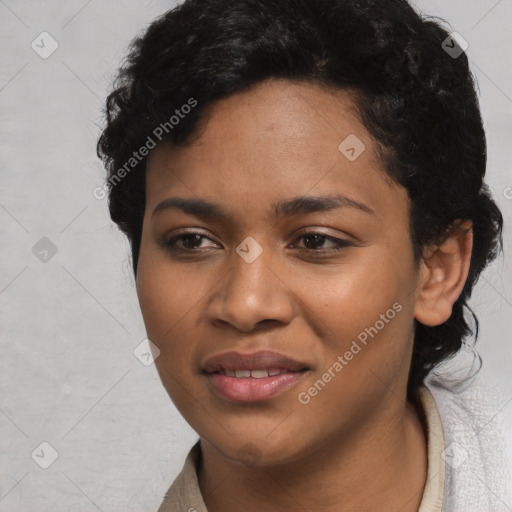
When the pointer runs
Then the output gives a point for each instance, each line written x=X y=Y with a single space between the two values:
x=263 y=452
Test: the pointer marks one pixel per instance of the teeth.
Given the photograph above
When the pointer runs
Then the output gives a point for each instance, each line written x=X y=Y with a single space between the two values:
x=259 y=374
x=255 y=374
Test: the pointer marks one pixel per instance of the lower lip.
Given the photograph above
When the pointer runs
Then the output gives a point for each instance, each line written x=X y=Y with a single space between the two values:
x=250 y=389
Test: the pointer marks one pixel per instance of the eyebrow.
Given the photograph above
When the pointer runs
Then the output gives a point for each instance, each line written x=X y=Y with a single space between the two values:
x=286 y=208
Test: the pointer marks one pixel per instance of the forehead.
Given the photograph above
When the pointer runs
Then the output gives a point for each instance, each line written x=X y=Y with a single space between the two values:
x=278 y=139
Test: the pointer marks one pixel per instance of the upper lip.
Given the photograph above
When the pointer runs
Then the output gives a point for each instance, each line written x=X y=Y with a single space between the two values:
x=260 y=360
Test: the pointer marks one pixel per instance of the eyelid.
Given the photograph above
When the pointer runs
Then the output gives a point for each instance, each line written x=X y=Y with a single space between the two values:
x=323 y=230
x=339 y=243
x=176 y=235
x=315 y=230
x=169 y=242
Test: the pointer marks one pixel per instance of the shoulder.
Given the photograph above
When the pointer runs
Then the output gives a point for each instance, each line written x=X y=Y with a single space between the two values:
x=184 y=493
x=477 y=435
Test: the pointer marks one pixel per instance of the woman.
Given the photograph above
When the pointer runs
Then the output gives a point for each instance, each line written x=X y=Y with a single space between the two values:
x=302 y=187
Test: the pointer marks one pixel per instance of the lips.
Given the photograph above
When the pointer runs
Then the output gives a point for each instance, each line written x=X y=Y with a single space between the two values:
x=261 y=360
x=255 y=374
x=252 y=377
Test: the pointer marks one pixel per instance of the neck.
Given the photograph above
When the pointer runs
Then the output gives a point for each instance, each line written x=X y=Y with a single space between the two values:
x=380 y=466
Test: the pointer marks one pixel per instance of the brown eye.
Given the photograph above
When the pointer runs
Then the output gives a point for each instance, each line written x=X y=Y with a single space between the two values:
x=190 y=242
x=313 y=240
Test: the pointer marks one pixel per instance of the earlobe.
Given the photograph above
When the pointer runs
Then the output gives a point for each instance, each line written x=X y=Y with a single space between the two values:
x=443 y=273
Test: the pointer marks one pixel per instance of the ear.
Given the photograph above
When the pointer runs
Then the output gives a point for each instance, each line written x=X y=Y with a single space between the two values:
x=443 y=273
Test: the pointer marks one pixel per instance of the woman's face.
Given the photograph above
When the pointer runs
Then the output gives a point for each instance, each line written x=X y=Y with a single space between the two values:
x=331 y=288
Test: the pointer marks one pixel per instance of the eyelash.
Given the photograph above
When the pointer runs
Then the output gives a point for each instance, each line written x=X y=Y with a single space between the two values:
x=340 y=243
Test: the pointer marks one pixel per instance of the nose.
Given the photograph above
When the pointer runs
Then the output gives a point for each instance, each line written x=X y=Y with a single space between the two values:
x=251 y=296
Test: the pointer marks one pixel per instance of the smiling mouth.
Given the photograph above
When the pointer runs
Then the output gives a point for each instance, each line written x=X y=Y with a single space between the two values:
x=252 y=377
x=249 y=386
x=256 y=374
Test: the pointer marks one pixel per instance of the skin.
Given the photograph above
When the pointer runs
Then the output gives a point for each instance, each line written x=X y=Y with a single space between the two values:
x=358 y=444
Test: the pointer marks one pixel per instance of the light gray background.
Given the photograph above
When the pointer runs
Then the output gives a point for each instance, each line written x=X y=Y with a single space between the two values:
x=69 y=326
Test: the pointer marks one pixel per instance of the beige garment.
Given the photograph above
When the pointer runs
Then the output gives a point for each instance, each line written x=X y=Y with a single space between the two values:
x=184 y=494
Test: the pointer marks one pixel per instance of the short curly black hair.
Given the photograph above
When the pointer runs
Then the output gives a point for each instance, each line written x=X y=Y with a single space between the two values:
x=417 y=99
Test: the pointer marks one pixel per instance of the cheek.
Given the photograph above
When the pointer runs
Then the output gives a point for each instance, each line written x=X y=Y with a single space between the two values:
x=168 y=300
x=352 y=297
x=367 y=313
x=365 y=353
